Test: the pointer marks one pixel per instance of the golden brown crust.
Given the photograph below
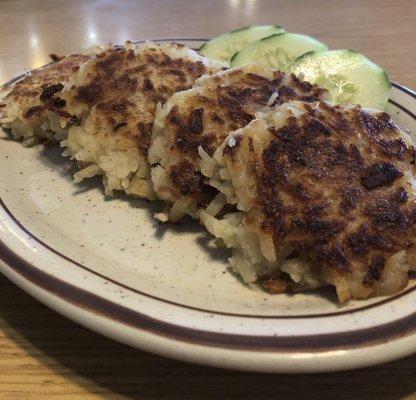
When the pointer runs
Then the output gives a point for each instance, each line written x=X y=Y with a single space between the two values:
x=334 y=184
x=123 y=87
x=186 y=178
x=223 y=104
x=42 y=83
x=274 y=285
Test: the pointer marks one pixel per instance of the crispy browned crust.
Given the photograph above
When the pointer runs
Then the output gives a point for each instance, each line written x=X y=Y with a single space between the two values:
x=206 y=120
x=42 y=83
x=275 y=285
x=186 y=178
x=125 y=87
x=331 y=184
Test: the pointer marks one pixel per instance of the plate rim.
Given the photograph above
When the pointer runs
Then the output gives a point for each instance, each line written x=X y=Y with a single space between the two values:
x=100 y=305
x=37 y=277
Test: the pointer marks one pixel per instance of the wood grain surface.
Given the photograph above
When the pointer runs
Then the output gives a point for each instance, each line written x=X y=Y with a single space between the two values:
x=44 y=356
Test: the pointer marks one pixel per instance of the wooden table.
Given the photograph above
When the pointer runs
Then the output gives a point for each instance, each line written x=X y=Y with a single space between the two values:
x=44 y=356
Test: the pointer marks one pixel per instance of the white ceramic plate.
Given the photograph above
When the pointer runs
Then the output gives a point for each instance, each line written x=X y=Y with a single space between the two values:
x=107 y=265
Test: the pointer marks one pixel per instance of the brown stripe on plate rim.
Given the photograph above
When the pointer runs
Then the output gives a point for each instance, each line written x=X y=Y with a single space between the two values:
x=402 y=108
x=90 y=270
x=322 y=342
x=404 y=89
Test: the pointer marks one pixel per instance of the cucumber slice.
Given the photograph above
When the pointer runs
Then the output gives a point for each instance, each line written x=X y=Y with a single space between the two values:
x=349 y=77
x=223 y=47
x=277 y=51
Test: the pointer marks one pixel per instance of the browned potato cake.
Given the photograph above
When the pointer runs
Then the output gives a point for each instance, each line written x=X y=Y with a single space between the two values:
x=109 y=108
x=326 y=195
x=204 y=116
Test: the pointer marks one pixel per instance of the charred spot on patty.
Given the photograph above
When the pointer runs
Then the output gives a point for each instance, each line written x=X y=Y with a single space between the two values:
x=144 y=137
x=147 y=84
x=375 y=270
x=90 y=93
x=380 y=174
x=34 y=111
x=315 y=127
x=186 y=178
x=374 y=125
x=58 y=102
x=400 y=196
x=195 y=121
x=50 y=90
x=111 y=61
